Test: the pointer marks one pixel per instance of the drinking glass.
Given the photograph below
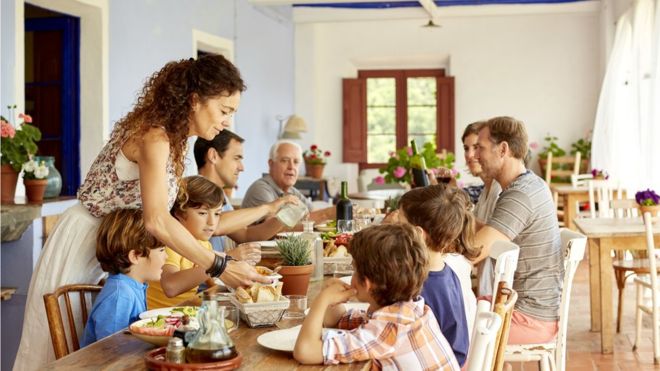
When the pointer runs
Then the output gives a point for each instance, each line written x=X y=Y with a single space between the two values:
x=231 y=315
x=344 y=226
x=361 y=223
x=297 y=306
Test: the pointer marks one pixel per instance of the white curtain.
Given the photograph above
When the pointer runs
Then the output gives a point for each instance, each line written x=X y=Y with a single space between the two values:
x=626 y=138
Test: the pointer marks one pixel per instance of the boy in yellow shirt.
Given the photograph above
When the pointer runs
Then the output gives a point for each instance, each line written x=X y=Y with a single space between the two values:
x=197 y=207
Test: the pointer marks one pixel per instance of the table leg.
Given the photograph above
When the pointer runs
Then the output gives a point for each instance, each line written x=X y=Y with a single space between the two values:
x=569 y=211
x=606 y=314
x=594 y=283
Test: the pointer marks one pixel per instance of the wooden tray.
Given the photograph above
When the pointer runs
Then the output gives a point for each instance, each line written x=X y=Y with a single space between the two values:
x=155 y=360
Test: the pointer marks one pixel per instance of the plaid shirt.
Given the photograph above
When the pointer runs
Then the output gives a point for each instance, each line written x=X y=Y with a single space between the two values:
x=401 y=336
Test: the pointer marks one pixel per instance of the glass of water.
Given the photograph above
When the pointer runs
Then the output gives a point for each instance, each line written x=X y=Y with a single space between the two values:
x=344 y=226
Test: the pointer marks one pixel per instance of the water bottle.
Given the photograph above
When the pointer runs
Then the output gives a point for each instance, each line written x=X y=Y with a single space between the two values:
x=316 y=249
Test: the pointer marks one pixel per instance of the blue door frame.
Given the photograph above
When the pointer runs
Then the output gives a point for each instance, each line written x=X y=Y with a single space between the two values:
x=70 y=94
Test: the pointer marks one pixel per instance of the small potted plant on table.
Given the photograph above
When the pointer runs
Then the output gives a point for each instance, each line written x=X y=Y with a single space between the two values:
x=648 y=201
x=297 y=266
x=34 y=178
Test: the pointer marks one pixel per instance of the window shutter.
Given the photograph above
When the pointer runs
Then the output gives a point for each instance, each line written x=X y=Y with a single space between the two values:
x=445 y=102
x=355 y=120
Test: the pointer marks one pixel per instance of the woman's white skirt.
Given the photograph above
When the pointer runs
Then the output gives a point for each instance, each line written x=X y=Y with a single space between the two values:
x=68 y=257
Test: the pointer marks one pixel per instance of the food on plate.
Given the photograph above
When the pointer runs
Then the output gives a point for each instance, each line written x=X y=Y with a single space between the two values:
x=259 y=293
x=160 y=326
x=190 y=311
x=264 y=271
x=331 y=250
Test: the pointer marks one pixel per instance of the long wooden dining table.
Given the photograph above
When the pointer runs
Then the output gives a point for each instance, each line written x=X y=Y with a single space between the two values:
x=123 y=351
x=570 y=196
x=605 y=235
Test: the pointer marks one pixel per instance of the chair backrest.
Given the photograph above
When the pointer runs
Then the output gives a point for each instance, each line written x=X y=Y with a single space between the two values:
x=601 y=192
x=573 y=245
x=566 y=166
x=579 y=180
x=481 y=353
x=75 y=306
x=505 y=254
x=626 y=208
x=504 y=300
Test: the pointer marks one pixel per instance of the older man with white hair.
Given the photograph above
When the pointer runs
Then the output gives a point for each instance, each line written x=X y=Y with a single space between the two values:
x=283 y=164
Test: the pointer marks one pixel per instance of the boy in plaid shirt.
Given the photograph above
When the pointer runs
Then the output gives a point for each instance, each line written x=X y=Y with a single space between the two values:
x=397 y=332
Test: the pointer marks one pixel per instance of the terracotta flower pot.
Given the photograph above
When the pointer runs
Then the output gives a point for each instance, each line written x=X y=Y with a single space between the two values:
x=654 y=209
x=35 y=189
x=296 y=279
x=314 y=170
x=9 y=179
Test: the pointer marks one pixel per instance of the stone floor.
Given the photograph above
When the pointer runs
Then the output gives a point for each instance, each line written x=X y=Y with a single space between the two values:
x=584 y=346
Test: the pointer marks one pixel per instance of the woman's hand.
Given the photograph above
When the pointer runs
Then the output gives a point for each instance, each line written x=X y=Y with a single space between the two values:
x=240 y=273
x=276 y=205
x=249 y=252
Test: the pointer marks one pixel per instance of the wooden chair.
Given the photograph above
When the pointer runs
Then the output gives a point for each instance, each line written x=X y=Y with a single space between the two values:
x=56 y=323
x=566 y=166
x=645 y=284
x=553 y=354
x=558 y=169
x=626 y=264
x=504 y=300
x=505 y=254
x=601 y=193
x=484 y=333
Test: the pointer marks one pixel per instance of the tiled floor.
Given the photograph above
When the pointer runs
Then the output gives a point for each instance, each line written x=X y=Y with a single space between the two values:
x=584 y=346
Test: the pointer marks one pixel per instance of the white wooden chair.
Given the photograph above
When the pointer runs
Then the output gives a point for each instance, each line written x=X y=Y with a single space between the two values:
x=644 y=285
x=601 y=192
x=505 y=254
x=482 y=347
x=580 y=180
x=552 y=355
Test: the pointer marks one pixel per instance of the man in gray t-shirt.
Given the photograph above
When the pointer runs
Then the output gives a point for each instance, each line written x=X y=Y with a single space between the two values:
x=283 y=165
x=524 y=214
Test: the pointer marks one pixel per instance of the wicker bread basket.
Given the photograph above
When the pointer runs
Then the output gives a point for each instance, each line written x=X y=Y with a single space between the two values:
x=261 y=314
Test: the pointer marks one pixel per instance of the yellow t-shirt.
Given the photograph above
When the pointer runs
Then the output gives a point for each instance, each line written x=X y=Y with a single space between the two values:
x=156 y=297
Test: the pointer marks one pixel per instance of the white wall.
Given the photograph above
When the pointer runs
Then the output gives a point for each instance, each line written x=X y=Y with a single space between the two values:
x=541 y=68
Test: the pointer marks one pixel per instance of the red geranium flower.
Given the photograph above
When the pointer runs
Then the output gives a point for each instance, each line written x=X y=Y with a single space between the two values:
x=313 y=147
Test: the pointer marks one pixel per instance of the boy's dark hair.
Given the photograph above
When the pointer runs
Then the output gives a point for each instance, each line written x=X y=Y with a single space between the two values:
x=393 y=257
x=120 y=232
x=220 y=143
x=444 y=213
x=196 y=191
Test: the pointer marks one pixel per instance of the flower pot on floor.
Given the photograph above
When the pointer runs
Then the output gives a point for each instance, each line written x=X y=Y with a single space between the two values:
x=314 y=170
x=9 y=180
x=296 y=279
x=35 y=189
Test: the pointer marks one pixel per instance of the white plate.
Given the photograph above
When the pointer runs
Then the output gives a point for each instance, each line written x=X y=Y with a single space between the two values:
x=270 y=243
x=287 y=234
x=160 y=312
x=282 y=340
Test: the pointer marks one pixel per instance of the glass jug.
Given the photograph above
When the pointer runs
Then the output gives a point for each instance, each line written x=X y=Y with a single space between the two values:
x=211 y=343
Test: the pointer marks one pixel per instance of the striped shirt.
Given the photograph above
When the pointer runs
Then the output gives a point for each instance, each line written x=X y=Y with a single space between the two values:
x=401 y=336
x=526 y=214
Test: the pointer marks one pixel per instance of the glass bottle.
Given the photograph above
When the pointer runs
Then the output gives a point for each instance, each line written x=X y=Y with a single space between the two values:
x=54 y=186
x=418 y=166
x=344 y=206
x=211 y=343
x=315 y=244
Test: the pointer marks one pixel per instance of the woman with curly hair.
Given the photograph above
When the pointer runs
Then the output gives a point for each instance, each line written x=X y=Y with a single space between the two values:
x=139 y=167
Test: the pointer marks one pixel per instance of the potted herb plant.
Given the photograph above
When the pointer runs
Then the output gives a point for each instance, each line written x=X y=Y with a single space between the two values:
x=297 y=266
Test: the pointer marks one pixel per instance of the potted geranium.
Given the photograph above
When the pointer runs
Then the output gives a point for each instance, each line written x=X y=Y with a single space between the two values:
x=18 y=144
x=34 y=178
x=315 y=160
x=648 y=201
x=297 y=266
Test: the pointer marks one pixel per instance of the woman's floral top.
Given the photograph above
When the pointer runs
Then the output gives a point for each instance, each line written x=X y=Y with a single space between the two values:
x=103 y=191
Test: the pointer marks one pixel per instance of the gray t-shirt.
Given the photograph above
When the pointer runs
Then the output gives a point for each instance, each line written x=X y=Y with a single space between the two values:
x=526 y=214
x=265 y=190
